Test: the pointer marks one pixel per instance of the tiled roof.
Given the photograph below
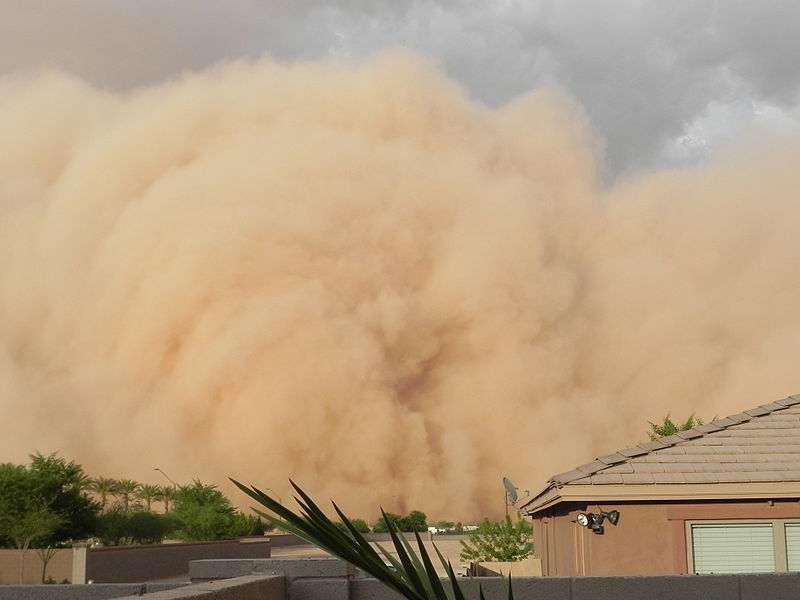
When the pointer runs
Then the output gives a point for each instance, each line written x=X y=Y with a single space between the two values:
x=758 y=445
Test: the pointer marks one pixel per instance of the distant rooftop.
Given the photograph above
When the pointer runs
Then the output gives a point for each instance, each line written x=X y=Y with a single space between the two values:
x=757 y=446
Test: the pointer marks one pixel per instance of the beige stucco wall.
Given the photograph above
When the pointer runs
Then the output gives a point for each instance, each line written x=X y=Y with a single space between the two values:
x=59 y=568
x=649 y=539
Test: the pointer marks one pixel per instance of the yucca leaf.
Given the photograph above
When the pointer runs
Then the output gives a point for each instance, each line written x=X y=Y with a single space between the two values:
x=458 y=593
x=412 y=575
x=433 y=576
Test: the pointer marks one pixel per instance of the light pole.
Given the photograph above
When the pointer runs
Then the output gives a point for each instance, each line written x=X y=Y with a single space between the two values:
x=274 y=493
x=175 y=485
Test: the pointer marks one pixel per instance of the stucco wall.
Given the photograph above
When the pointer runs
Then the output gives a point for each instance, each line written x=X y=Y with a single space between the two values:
x=649 y=538
x=59 y=568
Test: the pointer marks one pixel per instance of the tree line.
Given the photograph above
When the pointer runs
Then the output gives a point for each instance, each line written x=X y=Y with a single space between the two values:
x=51 y=503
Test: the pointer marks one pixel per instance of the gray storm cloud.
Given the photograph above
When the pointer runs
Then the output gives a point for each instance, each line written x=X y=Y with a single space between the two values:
x=665 y=84
x=359 y=278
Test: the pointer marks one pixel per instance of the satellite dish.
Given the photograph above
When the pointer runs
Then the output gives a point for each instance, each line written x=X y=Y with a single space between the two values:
x=510 y=490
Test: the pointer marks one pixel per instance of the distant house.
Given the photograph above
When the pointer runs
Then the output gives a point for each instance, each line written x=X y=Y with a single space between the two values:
x=720 y=498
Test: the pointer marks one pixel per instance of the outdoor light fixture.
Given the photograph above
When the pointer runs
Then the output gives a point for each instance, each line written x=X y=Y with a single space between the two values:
x=594 y=521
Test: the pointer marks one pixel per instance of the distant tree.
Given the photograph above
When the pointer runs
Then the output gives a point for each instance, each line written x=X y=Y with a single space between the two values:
x=44 y=505
x=52 y=483
x=148 y=493
x=380 y=524
x=35 y=523
x=243 y=525
x=668 y=427
x=147 y=527
x=444 y=525
x=118 y=527
x=360 y=525
x=167 y=496
x=414 y=521
x=203 y=512
x=125 y=490
x=112 y=527
x=104 y=487
x=503 y=541
x=458 y=529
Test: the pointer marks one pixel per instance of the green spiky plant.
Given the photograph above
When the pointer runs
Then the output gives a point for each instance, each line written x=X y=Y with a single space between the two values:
x=410 y=574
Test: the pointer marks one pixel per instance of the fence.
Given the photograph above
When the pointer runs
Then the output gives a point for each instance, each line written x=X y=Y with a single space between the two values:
x=59 y=567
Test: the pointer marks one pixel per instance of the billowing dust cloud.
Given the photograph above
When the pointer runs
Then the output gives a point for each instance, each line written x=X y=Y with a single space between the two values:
x=358 y=278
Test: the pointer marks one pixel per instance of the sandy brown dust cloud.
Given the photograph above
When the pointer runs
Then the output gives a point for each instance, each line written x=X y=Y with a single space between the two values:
x=356 y=277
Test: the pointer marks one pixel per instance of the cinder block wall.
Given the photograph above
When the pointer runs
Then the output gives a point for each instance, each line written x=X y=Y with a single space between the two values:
x=129 y=564
x=331 y=579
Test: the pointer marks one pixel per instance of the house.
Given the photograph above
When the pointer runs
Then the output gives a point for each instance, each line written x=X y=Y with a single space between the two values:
x=723 y=497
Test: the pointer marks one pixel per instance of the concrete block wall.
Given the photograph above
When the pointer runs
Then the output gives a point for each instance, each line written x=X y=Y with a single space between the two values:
x=331 y=579
x=130 y=564
x=249 y=587
x=81 y=592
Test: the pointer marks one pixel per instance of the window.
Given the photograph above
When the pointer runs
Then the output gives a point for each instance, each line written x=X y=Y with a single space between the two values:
x=758 y=546
x=792 y=532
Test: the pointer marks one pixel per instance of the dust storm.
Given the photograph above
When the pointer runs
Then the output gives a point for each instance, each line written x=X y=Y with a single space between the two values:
x=359 y=278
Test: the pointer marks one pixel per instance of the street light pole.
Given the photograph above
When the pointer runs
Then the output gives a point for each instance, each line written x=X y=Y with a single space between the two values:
x=175 y=485
x=274 y=493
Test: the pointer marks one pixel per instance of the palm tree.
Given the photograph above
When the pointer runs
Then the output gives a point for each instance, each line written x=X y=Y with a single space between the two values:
x=103 y=486
x=148 y=493
x=167 y=495
x=125 y=489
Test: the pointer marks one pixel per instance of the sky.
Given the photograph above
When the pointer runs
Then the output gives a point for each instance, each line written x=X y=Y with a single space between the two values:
x=395 y=251
x=663 y=84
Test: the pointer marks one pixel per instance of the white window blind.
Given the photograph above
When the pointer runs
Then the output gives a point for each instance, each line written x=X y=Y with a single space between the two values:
x=734 y=548
x=793 y=546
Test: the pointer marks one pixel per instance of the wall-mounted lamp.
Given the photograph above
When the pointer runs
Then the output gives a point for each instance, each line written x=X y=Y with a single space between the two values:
x=594 y=521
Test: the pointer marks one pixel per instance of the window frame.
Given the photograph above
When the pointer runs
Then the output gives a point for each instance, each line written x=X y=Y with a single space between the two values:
x=778 y=539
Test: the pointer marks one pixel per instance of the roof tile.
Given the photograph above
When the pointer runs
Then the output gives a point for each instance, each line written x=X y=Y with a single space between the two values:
x=655 y=444
x=593 y=467
x=679 y=468
x=708 y=428
x=631 y=452
x=701 y=477
x=669 y=478
x=622 y=468
x=612 y=459
x=790 y=401
x=758 y=445
x=672 y=439
x=739 y=417
x=605 y=478
x=637 y=478
x=689 y=434
x=567 y=477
